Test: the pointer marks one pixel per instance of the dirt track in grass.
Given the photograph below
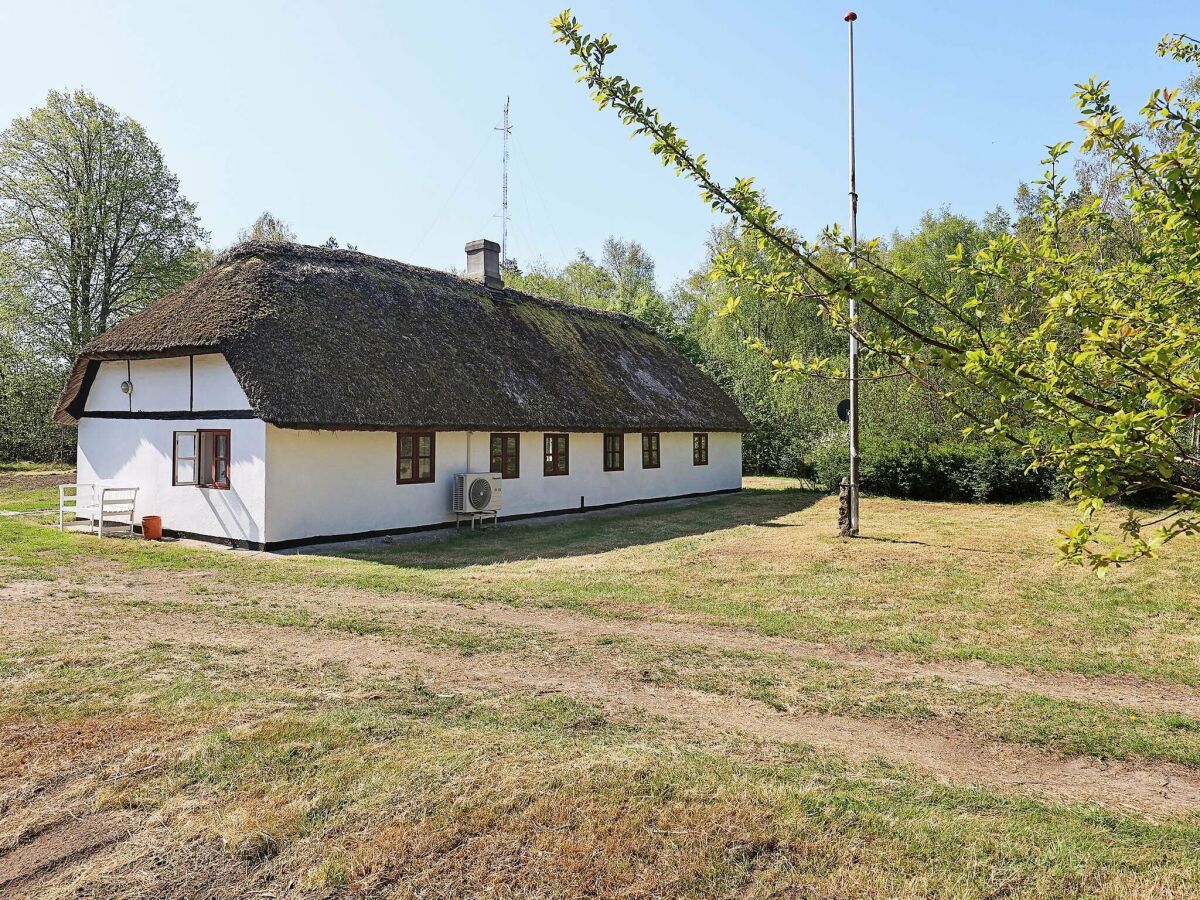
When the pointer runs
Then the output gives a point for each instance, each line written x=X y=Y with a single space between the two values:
x=1153 y=789
x=1134 y=693
x=1124 y=691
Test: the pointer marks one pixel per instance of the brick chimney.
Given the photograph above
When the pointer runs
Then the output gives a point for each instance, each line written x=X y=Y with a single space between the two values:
x=483 y=263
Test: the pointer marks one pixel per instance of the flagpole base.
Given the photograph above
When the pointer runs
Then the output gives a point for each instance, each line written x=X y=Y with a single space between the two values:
x=845 y=523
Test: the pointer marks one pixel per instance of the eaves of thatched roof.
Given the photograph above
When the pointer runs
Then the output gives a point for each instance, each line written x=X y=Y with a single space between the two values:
x=336 y=339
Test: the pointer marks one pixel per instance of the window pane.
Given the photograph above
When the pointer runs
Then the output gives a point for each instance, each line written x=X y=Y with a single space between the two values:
x=185 y=443
x=406 y=445
x=406 y=469
x=425 y=445
x=424 y=470
x=205 y=471
x=185 y=470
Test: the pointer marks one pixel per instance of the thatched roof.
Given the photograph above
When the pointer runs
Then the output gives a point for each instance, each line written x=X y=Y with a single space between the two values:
x=324 y=338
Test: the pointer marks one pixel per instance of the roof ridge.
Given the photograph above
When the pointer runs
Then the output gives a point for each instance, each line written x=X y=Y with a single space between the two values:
x=297 y=251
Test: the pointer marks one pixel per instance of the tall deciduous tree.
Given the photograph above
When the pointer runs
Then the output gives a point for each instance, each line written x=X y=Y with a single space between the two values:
x=631 y=269
x=1082 y=330
x=92 y=223
x=269 y=227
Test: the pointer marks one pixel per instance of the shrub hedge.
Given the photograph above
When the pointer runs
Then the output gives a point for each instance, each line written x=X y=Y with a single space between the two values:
x=974 y=473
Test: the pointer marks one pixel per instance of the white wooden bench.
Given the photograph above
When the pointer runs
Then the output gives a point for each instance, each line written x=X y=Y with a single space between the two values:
x=107 y=508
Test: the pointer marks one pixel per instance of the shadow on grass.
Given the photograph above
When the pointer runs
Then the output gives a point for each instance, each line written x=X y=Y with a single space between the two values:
x=887 y=540
x=587 y=534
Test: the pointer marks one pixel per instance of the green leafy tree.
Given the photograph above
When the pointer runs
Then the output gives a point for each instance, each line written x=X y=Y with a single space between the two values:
x=581 y=281
x=794 y=417
x=92 y=223
x=272 y=229
x=1082 y=331
x=623 y=280
x=631 y=270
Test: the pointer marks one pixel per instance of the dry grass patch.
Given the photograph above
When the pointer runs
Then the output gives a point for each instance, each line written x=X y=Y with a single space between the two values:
x=313 y=782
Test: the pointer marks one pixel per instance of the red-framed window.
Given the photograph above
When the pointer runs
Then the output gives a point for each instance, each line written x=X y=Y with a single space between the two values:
x=506 y=454
x=614 y=452
x=651 y=458
x=700 y=448
x=201 y=458
x=556 y=454
x=414 y=457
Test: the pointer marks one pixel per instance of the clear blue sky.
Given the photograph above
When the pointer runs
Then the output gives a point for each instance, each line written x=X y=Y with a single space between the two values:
x=372 y=121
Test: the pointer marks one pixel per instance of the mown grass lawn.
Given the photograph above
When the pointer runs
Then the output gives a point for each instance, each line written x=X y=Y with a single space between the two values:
x=183 y=689
x=941 y=581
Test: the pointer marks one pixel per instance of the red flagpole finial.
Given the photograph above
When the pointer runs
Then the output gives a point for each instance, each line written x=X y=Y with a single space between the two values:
x=851 y=17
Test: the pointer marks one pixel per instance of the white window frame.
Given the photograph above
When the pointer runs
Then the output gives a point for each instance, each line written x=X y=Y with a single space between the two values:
x=194 y=457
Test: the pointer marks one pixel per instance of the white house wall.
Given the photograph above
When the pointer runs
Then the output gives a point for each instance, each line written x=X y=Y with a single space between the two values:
x=214 y=386
x=159 y=385
x=174 y=384
x=137 y=452
x=106 y=394
x=325 y=483
x=344 y=482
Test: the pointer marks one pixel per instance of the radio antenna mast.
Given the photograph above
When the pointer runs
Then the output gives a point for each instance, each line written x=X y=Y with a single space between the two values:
x=505 y=130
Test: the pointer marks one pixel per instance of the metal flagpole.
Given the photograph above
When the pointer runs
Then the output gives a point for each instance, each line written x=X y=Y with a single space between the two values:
x=850 y=19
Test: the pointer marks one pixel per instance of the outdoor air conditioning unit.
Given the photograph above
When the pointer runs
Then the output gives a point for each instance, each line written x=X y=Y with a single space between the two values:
x=476 y=493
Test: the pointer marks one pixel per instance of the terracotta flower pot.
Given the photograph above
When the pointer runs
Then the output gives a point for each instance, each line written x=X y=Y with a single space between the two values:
x=152 y=528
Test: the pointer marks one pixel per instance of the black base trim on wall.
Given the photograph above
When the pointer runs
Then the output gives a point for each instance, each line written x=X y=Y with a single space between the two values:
x=242 y=544
x=171 y=414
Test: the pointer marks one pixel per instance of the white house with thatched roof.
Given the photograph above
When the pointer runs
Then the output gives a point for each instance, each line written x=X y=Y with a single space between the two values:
x=292 y=394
